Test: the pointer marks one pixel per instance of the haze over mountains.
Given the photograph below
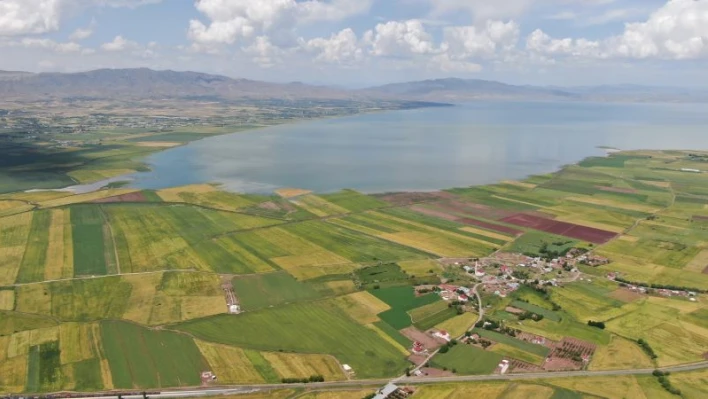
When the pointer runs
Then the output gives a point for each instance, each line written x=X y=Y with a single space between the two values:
x=125 y=84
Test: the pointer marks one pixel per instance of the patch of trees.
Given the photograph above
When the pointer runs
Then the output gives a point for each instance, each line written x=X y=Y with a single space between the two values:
x=488 y=324
x=530 y=315
x=446 y=348
x=597 y=324
x=312 y=378
x=658 y=286
x=647 y=349
x=521 y=274
x=663 y=378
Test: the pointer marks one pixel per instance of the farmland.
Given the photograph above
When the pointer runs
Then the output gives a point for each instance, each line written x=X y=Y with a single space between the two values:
x=330 y=279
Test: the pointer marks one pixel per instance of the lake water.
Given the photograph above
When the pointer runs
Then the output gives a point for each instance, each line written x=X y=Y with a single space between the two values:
x=426 y=149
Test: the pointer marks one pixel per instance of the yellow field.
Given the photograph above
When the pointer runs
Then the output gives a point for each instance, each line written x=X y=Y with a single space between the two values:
x=90 y=176
x=141 y=296
x=175 y=194
x=640 y=270
x=319 y=206
x=614 y=387
x=525 y=391
x=698 y=263
x=510 y=351
x=44 y=335
x=519 y=183
x=362 y=306
x=460 y=391
x=35 y=196
x=194 y=307
x=307 y=260
x=229 y=364
x=158 y=144
x=457 y=325
x=618 y=355
x=60 y=252
x=419 y=267
x=13 y=374
x=429 y=243
x=255 y=263
x=587 y=223
x=652 y=389
x=614 y=204
x=338 y=394
x=388 y=339
x=10 y=207
x=290 y=365
x=682 y=305
x=7 y=300
x=487 y=233
x=291 y=192
x=281 y=394
x=19 y=344
x=14 y=231
x=76 y=341
x=627 y=238
x=79 y=198
x=341 y=287
x=693 y=384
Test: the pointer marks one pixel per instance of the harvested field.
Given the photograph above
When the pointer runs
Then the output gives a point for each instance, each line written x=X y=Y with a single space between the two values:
x=471 y=209
x=561 y=357
x=362 y=306
x=137 y=196
x=291 y=365
x=458 y=325
x=626 y=295
x=14 y=232
x=487 y=233
x=584 y=233
x=419 y=267
x=79 y=341
x=60 y=251
x=461 y=391
x=291 y=192
x=230 y=364
x=7 y=299
x=699 y=264
x=491 y=226
x=319 y=206
x=80 y=198
x=620 y=354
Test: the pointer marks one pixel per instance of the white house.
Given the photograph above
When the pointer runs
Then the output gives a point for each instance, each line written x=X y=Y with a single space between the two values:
x=442 y=334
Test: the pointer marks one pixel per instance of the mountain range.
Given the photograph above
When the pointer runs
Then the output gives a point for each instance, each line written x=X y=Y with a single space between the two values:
x=135 y=84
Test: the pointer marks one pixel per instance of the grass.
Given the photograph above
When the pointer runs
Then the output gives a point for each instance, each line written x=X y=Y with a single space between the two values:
x=435 y=319
x=531 y=242
x=12 y=322
x=89 y=375
x=516 y=353
x=538 y=350
x=566 y=328
x=88 y=241
x=401 y=300
x=142 y=358
x=468 y=360
x=420 y=267
x=298 y=327
x=14 y=231
x=262 y=366
x=354 y=201
x=549 y=314
x=267 y=290
x=35 y=257
x=385 y=275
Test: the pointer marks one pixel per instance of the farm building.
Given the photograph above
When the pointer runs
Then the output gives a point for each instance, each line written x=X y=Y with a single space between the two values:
x=443 y=335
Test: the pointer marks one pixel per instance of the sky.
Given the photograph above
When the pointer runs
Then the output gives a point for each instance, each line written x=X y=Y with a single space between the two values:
x=356 y=43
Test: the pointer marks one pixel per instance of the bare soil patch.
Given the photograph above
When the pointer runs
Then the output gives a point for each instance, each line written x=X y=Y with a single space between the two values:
x=406 y=199
x=565 y=229
x=137 y=196
x=431 y=372
x=700 y=218
x=517 y=366
x=416 y=335
x=625 y=295
x=705 y=271
x=417 y=359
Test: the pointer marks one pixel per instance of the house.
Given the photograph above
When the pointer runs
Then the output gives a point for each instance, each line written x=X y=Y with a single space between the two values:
x=443 y=335
x=463 y=298
x=479 y=272
x=347 y=369
x=505 y=269
x=446 y=295
x=418 y=347
x=464 y=290
x=387 y=391
x=448 y=287
x=504 y=366
x=468 y=269
x=234 y=309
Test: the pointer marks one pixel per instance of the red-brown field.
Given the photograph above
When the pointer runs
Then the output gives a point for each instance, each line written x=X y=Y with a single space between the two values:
x=473 y=210
x=416 y=335
x=130 y=197
x=565 y=352
x=590 y=234
x=517 y=366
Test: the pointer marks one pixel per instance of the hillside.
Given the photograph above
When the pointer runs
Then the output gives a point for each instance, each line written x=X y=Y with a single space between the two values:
x=144 y=83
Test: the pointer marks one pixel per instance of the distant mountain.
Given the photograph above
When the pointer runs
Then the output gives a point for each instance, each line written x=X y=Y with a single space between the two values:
x=458 y=90
x=149 y=84
x=13 y=74
x=454 y=89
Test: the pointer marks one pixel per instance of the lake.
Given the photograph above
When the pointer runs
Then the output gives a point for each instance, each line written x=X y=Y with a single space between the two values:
x=426 y=149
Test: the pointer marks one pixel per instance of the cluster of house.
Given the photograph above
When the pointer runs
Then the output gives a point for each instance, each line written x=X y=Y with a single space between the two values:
x=393 y=391
x=691 y=295
x=449 y=292
x=503 y=366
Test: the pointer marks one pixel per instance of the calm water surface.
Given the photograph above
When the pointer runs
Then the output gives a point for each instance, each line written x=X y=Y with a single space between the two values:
x=426 y=149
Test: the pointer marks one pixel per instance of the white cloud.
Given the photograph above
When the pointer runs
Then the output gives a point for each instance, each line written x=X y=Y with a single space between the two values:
x=678 y=30
x=444 y=63
x=48 y=44
x=25 y=17
x=233 y=20
x=482 y=9
x=264 y=52
x=340 y=48
x=83 y=33
x=471 y=41
x=396 y=38
x=21 y=17
x=119 y=44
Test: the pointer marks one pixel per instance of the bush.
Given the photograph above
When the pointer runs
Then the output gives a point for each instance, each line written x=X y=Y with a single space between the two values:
x=597 y=324
x=647 y=349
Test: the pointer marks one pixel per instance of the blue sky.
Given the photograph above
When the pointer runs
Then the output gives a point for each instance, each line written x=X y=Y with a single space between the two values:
x=365 y=42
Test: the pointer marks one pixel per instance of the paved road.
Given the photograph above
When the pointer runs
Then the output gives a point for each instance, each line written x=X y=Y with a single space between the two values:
x=408 y=381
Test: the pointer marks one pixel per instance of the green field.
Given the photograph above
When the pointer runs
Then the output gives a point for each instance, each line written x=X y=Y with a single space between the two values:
x=354 y=201
x=468 y=359
x=549 y=314
x=428 y=316
x=299 y=328
x=90 y=252
x=35 y=256
x=539 y=350
x=267 y=290
x=142 y=358
x=401 y=300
